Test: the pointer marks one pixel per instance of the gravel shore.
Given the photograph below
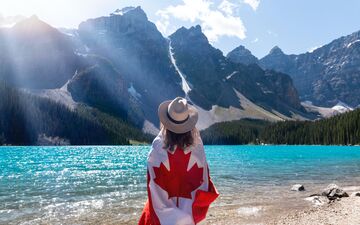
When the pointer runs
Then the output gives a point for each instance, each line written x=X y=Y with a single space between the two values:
x=343 y=212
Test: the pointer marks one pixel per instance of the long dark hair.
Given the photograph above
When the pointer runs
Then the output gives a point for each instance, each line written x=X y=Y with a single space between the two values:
x=172 y=140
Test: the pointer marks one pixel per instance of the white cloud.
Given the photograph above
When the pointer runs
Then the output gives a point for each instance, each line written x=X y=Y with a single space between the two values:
x=254 y=4
x=215 y=22
x=255 y=40
x=272 y=33
x=227 y=7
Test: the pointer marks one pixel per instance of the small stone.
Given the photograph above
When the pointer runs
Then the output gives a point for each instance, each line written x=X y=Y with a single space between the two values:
x=298 y=187
x=355 y=194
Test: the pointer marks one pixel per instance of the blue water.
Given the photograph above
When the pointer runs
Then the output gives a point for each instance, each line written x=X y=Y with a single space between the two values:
x=84 y=185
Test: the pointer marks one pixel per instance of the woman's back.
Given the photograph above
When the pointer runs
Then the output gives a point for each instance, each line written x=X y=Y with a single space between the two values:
x=179 y=186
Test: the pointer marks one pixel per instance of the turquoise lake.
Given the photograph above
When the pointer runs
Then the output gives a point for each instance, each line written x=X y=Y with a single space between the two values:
x=85 y=185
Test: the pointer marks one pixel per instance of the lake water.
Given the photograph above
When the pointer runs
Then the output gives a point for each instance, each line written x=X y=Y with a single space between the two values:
x=107 y=185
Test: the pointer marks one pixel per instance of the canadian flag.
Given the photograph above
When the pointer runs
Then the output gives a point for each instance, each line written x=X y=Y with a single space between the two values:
x=179 y=187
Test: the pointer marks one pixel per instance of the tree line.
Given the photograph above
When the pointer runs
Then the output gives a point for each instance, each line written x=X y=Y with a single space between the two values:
x=342 y=129
x=23 y=117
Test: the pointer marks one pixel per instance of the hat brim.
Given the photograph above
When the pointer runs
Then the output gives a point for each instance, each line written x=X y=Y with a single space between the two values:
x=181 y=128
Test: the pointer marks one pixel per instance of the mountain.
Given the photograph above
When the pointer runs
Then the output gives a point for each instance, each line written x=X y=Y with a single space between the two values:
x=99 y=85
x=204 y=66
x=214 y=80
x=326 y=76
x=138 y=51
x=242 y=55
x=36 y=55
x=26 y=119
x=113 y=71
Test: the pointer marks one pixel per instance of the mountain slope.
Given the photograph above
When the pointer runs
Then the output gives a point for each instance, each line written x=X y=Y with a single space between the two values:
x=138 y=51
x=26 y=119
x=326 y=76
x=242 y=55
x=99 y=85
x=36 y=55
x=215 y=80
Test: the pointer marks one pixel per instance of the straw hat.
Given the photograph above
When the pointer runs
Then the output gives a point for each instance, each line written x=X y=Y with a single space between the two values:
x=177 y=115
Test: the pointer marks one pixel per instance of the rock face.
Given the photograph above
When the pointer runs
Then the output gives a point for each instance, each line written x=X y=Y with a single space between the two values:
x=242 y=55
x=99 y=85
x=333 y=192
x=326 y=76
x=122 y=65
x=205 y=68
x=36 y=55
x=298 y=187
x=214 y=78
x=138 y=51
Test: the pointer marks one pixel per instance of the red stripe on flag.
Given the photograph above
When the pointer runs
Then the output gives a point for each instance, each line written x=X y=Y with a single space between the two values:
x=149 y=216
x=202 y=201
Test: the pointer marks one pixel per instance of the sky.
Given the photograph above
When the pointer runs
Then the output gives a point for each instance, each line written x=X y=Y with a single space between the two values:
x=296 y=26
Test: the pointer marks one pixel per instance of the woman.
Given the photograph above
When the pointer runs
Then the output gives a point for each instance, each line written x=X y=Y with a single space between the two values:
x=178 y=183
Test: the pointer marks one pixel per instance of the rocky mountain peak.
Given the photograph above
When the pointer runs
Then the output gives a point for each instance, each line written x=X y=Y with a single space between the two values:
x=33 y=25
x=242 y=55
x=276 y=51
x=324 y=76
x=123 y=23
x=130 y=11
x=193 y=33
x=194 y=39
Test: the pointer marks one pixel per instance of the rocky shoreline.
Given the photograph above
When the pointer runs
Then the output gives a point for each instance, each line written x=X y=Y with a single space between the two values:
x=333 y=205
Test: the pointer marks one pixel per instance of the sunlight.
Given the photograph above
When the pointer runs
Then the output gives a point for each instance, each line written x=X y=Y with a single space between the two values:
x=59 y=13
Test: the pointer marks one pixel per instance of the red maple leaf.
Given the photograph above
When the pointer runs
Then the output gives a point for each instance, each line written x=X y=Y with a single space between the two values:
x=178 y=182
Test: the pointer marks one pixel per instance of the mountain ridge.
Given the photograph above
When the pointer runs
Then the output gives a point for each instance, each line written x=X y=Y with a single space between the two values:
x=326 y=76
x=123 y=67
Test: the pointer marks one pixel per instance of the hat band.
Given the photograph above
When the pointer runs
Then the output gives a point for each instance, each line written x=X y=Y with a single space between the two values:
x=176 y=121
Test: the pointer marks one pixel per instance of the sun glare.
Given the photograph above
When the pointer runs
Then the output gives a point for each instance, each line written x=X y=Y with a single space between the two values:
x=59 y=13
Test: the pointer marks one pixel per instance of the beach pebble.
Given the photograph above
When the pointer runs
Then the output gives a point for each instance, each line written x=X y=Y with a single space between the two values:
x=317 y=200
x=333 y=192
x=298 y=187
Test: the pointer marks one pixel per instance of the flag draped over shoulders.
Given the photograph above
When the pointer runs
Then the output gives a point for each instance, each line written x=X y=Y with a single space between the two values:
x=179 y=187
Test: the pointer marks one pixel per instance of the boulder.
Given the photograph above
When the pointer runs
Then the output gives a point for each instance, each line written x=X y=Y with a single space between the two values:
x=333 y=192
x=298 y=187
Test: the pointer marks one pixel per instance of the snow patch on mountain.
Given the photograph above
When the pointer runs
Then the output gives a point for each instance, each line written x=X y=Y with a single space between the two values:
x=342 y=107
x=132 y=91
x=351 y=43
x=327 y=112
x=120 y=12
x=231 y=75
x=184 y=84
